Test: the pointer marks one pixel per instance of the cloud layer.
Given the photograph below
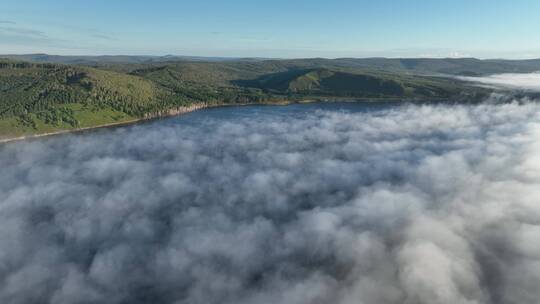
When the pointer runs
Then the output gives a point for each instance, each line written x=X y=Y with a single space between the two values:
x=404 y=204
x=524 y=81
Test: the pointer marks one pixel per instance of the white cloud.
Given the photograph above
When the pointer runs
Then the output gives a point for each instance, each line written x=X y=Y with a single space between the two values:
x=528 y=81
x=404 y=204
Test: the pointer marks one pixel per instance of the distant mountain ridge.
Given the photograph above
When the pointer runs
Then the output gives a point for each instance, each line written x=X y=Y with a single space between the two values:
x=453 y=66
x=108 y=59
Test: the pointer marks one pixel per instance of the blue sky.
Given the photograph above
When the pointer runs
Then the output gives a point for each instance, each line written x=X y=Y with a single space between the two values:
x=278 y=28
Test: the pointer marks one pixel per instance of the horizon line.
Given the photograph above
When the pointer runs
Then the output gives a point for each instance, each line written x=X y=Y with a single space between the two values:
x=267 y=58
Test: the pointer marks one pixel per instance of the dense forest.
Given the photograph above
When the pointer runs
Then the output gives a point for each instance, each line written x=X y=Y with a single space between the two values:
x=50 y=93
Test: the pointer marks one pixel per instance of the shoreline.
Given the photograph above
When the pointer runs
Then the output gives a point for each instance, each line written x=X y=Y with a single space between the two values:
x=188 y=109
x=149 y=117
x=60 y=132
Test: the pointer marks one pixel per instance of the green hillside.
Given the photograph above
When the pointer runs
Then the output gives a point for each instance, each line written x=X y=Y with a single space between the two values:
x=336 y=83
x=43 y=97
x=46 y=97
x=328 y=82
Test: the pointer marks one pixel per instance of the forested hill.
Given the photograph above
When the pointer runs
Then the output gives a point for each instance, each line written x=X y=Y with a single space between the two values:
x=455 y=66
x=40 y=97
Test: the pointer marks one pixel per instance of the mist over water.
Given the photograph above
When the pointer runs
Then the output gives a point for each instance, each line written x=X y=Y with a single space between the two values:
x=513 y=81
x=342 y=203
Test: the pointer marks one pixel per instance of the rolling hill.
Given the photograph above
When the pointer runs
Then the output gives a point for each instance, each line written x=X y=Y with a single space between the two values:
x=326 y=82
x=453 y=66
x=37 y=96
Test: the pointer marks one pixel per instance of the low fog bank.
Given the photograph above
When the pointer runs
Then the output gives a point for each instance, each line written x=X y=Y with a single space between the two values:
x=523 y=81
x=411 y=204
